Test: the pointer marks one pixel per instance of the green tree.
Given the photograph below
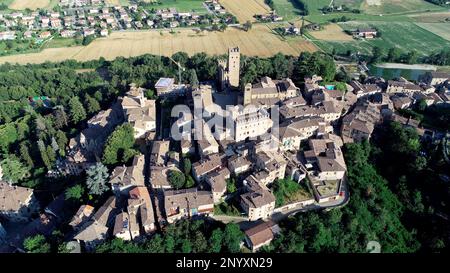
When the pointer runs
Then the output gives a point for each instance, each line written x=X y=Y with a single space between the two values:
x=8 y=135
x=232 y=237
x=119 y=145
x=187 y=166
x=422 y=105
x=60 y=117
x=316 y=63
x=51 y=155
x=186 y=246
x=215 y=241
x=176 y=179
x=13 y=170
x=199 y=243
x=25 y=154
x=394 y=54
x=61 y=140
x=150 y=94
x=377 y=54
x=77 y=111
x=36 y=244
x=169 y=243
x=411 y=57
x=97 y=176
x=74 y=193
x=193 y=80
x=43 y=153
x=231 y=185
x=92 y=105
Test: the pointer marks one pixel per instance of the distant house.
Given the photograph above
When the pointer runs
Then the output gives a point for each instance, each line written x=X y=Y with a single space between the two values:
x=122 y=227
x=360 y=123
x=55 y=23
x=436 y=78
x=104 y=32
x=144 y=212
x=88 y=32
x=139 y=111
x=68 y=33
x=45 y=35
x=28 y=34
x=313 y=27
x=96 y=230
x=187 y=203
x=159 y=176
x=401 y=102
x=7 y=35
x=292 y=30
x=258 y=202
x=167 y=87
x=327 y=158
x=17 y=204
x=239 y=164
x=84 y=214
x=367 y=33
x=261 y=235
x=124 y=178
x=217 y=182
x=202 y=168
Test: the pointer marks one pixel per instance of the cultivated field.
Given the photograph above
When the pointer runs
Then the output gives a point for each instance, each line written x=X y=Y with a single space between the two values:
x=118 y=2
x=31 y=4
x=440 y=29
x=112 y=2
x=395 y=6
x=406 y=36
x=331 y=32
x=286 y=9
x=259 y=41
x=245 y=10
x=180 y=5
x=432 y=17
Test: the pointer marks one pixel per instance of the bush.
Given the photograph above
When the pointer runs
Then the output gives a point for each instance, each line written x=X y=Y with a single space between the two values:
x=88 y=39
x=176 y=179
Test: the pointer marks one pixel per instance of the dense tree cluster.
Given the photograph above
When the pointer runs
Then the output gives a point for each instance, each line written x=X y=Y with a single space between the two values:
x=119 y=147
x=372 y=214
x=394 y=54
x=438 y=2
x=281 y=66
x=186 y=236
x=414 y=169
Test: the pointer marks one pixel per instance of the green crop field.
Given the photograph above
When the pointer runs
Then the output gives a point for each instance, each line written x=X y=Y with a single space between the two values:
x=181 y=5
x=392 y=10
x=388 y=6
x=440 y=29
x=315 y=6
x=406 y=36
x=287 y=9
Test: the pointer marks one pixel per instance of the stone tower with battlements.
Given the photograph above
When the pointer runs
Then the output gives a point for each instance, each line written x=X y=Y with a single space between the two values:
x=229 y=69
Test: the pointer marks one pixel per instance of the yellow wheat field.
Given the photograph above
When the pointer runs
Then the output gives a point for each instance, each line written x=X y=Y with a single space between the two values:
x=331 y=32
x=245 y=10
x=259 y=41
x=31 y=4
